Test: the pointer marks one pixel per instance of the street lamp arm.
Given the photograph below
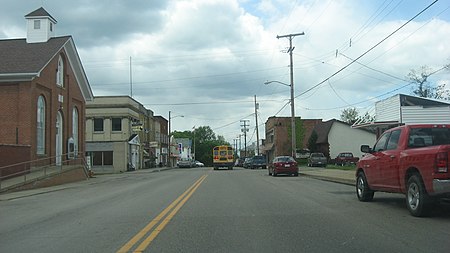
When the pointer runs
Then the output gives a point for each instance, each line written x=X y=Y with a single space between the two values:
x=269 y=82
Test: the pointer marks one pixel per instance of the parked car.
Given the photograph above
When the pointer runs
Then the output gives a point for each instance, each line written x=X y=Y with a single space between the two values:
x=283 y=165
x=258 y=162
x=185 y=163
x=247 y=162
x=303 y=154
x=345 y=158
x=317 y=159
x=409 y=159
x=199 y=164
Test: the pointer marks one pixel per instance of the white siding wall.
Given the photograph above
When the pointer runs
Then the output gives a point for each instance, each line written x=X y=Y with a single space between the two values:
x=420 y=115
x=388 y=109
x=39 y=35
x=343 y=138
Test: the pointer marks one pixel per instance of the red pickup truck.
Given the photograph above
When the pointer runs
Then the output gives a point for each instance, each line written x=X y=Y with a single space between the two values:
x=409 y=159
x=345 y=158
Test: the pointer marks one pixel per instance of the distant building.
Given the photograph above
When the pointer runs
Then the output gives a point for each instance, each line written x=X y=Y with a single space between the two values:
x=162 y=139
x=43 y=91
x=183 y=148
x=278 y=140
x=335 y=136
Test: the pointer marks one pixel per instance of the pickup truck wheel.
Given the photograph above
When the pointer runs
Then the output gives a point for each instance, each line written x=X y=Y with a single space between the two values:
x=417 y=199
x=363 y=191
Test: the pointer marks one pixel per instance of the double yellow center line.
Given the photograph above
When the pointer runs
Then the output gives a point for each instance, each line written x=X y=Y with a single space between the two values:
x=163 y=219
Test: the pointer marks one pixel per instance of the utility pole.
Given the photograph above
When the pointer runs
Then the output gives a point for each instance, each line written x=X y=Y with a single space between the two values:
x=244 y=129
x=257 y=131
x=290 y=50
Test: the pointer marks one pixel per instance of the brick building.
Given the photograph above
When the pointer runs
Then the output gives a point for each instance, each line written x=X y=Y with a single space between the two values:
x=162 y=139
x=43 y=90
x=278 y=135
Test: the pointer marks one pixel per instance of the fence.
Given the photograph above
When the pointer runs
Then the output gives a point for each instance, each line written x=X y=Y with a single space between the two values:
x=24 y=172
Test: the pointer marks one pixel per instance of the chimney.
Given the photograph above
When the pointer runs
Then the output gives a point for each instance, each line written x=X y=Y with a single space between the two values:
x=40 y=26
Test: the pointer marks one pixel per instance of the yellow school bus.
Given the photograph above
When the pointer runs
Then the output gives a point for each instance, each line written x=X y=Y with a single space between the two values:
x=223 y=157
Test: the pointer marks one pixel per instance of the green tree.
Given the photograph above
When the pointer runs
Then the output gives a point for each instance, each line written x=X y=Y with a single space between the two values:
x=312 y=141
x=350 y=115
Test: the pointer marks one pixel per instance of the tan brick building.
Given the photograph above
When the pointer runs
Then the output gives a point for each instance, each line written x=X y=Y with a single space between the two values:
x=120 y=135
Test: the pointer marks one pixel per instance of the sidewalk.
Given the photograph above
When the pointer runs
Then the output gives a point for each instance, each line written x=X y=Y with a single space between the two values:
x=332 y=175
x=94 y=180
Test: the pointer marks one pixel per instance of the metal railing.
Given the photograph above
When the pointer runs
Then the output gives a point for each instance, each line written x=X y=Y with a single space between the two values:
x=18 y=174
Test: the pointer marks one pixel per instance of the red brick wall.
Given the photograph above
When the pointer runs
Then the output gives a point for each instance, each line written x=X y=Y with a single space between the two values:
x=14 y=154
x=282 y=139
x=19 y=106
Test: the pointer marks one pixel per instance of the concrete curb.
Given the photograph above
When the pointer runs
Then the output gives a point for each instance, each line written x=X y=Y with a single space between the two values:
x=330 y=179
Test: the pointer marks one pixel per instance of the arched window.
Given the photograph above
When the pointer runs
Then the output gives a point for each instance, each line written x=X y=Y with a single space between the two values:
x=40 y=126
x=75 y=129
x=60 y=72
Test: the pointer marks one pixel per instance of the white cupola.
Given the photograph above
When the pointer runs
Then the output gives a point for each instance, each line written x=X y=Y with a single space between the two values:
x=40 y=26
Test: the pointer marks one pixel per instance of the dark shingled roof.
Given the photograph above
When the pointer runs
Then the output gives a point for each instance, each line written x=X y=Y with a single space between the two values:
x=18 y=56
x=41 y=12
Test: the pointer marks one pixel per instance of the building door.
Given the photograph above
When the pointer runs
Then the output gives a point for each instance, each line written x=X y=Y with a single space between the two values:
x=59 y=139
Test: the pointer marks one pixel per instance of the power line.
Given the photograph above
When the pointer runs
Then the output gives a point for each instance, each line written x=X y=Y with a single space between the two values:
x=379 y=71
x=366 y=52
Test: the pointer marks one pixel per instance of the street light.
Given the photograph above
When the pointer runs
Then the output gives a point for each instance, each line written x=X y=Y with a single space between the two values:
x=293 y=140
x=170 y=134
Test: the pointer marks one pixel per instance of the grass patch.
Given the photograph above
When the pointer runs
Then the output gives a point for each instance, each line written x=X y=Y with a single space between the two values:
x=338 y=167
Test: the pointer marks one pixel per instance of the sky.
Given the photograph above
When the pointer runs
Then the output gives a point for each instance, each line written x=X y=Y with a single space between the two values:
x=206 y=61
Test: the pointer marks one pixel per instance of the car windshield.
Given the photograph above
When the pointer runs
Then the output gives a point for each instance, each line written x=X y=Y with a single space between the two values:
x=258 y=158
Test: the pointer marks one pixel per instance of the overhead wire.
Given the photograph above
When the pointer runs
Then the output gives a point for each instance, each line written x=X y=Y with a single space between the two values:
x=366 y=52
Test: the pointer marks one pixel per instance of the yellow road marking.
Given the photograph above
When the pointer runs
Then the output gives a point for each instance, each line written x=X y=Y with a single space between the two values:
x=161 y=226
x=158 y=218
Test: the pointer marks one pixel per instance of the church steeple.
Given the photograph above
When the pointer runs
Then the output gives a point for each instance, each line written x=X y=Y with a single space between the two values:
x=40 y=26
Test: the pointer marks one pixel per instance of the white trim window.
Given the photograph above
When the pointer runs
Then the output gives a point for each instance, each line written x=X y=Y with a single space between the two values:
x=40 y=126
x=60 y=72
x=37 y=24
x=75 y=129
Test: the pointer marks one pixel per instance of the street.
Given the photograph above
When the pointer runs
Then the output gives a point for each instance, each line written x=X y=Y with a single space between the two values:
x=202 y=210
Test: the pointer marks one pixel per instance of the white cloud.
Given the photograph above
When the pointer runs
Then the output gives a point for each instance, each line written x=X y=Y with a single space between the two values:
x=208 y=51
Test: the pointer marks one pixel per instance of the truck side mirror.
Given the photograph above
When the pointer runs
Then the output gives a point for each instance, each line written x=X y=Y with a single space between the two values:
x=366 y=149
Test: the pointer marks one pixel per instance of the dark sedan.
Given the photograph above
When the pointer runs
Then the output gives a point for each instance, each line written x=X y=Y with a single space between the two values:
x=283 y=165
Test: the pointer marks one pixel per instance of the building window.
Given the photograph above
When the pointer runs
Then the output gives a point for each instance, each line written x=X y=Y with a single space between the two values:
x=75 y=129
x=98 y=125
x=116 y=124
x=51 y=27
x=60 y=72
x=37 y=24
x=40 y=136
x=102 y=158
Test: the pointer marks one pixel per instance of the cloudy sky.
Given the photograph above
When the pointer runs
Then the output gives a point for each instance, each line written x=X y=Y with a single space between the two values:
x=207 y=59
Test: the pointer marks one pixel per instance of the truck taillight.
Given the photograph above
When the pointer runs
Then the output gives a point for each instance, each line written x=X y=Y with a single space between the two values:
x=442 y=162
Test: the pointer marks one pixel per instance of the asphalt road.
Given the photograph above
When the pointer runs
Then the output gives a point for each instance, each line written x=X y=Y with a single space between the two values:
x=201 y=210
